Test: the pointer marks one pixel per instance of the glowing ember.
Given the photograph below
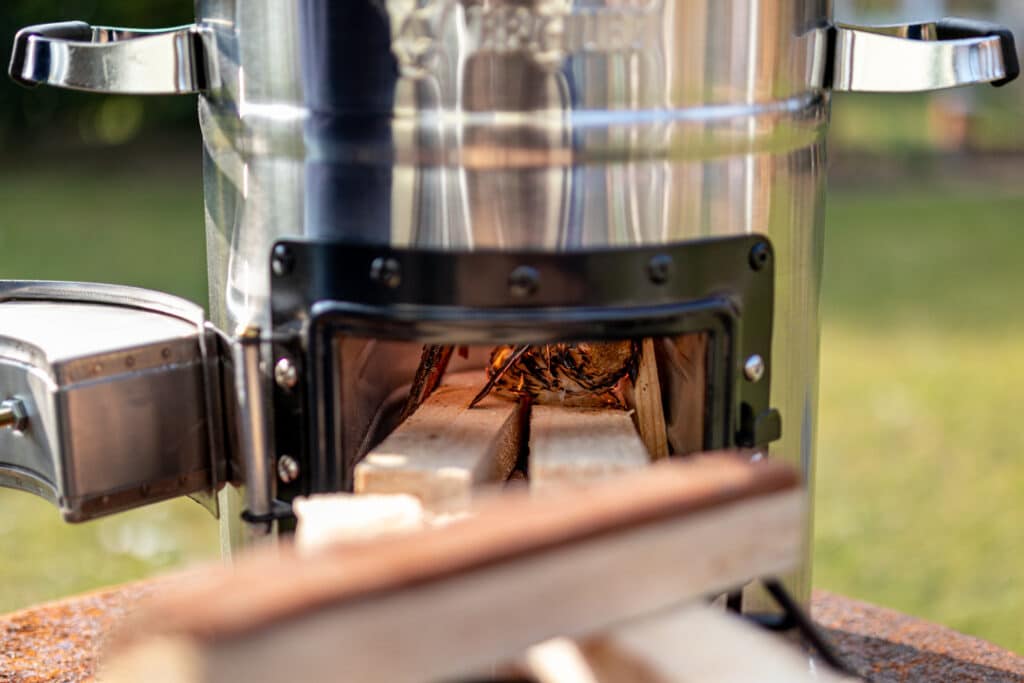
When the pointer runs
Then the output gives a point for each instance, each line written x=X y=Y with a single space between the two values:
x=583 y=374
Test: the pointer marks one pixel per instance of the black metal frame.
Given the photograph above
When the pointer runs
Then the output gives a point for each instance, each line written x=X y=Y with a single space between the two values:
x=319 y=290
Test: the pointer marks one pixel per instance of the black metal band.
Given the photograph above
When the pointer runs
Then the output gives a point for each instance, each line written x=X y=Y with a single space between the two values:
x=722 y=286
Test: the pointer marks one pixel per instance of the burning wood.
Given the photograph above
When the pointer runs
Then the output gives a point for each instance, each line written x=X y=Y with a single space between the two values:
x=586 y=374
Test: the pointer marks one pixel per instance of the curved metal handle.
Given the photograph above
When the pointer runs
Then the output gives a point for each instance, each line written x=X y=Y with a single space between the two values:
x=918 y=57
x=76 y=55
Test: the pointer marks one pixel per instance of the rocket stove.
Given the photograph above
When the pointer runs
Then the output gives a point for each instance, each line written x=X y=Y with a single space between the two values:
x=395 y=189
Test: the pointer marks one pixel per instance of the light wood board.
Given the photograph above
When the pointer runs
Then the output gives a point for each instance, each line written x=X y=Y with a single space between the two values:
x=650 y=414
x=440 y=602
x=573 y=446
x=445 y=449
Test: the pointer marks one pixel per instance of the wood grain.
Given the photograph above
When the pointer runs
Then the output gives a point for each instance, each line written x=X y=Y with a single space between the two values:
x=683 y=371
x=650 y=413
x=697 y=643
x=442 y=601
x=445 y=449
x=572 y=446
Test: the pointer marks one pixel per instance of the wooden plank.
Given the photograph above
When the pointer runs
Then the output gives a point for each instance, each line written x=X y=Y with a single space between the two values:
x=650 y=413
x=439 y=602
x=445 y=449
x=697 y=643
x=329 y=519
x=570 y=446
x=683 y=365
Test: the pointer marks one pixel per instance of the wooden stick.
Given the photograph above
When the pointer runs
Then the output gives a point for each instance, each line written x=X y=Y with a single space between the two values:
x=435 y=603
x=330 y=519
x=445 y=449
x=684 y=383
x=697 y=643
x=650 y=413
x=581 y=445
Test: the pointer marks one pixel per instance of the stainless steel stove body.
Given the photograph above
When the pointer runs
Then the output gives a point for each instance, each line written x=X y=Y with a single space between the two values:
x=381 y=174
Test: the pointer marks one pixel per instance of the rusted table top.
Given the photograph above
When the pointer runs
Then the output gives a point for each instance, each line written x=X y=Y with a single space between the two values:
x=60 y=641
x=884 y=645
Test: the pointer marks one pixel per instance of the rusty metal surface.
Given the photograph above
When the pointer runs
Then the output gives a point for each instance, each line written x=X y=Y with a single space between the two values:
x=884 y=645
x=60 y=641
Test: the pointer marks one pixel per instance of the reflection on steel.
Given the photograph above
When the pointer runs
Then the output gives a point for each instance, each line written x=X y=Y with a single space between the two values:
x=111 y=60
x=890 y=60
x=112 y=416
x=466 y=125
x=253 y=434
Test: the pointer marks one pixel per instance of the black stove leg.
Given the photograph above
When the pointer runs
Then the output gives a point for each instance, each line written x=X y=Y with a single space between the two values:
x=793 y=616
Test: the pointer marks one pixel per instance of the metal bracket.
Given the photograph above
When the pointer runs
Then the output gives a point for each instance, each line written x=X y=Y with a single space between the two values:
x=323 y=290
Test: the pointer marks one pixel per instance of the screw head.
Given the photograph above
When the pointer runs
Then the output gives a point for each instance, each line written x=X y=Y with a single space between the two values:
x=287 y=469
x=523 y=281
x=282 y=260
x=13 y=415
x=659 y=268
x=753 y=368
x=285 y=373
x=386 y=271
x=760 y=255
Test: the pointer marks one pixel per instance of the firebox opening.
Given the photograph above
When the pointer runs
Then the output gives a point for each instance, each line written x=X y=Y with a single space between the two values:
x=660 y=384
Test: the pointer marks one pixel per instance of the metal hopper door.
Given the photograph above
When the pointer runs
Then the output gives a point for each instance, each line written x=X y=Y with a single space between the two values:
x=110 y=397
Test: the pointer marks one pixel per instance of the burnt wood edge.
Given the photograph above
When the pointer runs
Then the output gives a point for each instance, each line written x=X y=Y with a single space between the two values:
x=273 y=585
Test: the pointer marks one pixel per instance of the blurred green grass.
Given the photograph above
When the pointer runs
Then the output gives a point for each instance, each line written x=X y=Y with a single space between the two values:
x=113 y=223
x=919 y=473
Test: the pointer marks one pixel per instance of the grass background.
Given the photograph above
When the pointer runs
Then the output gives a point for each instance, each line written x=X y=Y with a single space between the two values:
x=921 y=447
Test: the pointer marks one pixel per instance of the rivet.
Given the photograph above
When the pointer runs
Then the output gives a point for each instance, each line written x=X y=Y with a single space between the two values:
x=659 y=268
x=386 y=271
x=753 y=368
x=287 y=469
x=285 y=373
x=760 y=255
x=523 y=281
x=282 y=260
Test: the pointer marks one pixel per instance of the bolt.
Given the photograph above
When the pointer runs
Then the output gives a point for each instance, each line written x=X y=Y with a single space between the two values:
x=760 y=254
x=386 y=271
x=13 y=415
x=753 y=369
x=283 y=260
x=659 y=268
x=285 y=373
x=523 y=281
x=287 y=469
